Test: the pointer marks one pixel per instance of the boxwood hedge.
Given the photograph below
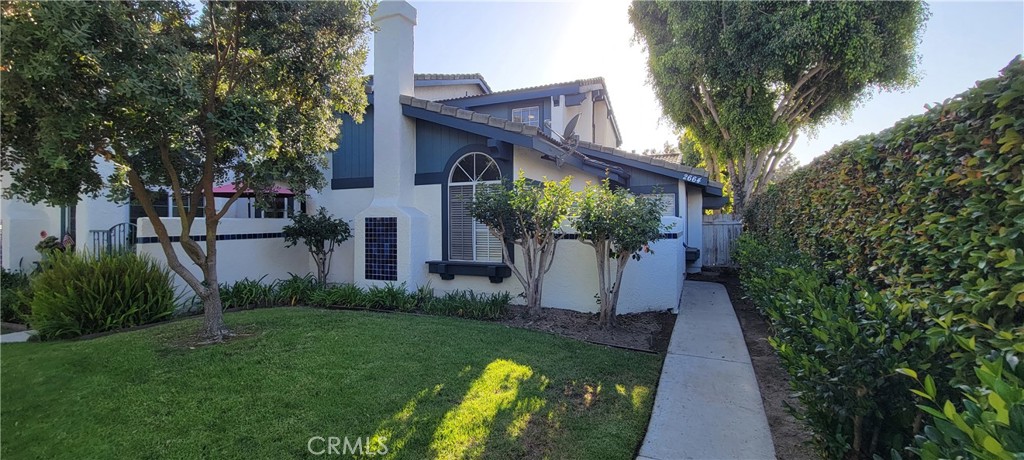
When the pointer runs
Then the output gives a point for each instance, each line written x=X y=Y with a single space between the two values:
x=930 y=214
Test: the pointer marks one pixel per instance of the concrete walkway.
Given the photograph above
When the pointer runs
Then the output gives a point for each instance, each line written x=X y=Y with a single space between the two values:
x=15 y=337
x=708 y=405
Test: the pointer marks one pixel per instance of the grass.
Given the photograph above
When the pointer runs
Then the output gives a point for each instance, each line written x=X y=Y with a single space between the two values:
x=433 y=387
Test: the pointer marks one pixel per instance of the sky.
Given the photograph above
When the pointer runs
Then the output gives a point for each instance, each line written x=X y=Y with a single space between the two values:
x=521 y=44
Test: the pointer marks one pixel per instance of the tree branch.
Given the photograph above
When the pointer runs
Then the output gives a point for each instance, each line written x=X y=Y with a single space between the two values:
x=780 y=109
x=146 y=200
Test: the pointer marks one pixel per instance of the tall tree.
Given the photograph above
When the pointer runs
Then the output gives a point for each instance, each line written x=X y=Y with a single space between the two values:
x=244 y=92
x=745 y=77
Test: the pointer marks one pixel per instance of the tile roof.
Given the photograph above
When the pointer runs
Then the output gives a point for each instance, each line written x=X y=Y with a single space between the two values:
x=439 y=77
x=476 y=117
x=454 y=76
x=580 y=82
x=520 y=128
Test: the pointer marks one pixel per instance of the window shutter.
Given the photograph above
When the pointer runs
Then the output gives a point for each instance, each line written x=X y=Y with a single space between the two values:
x=460 y=224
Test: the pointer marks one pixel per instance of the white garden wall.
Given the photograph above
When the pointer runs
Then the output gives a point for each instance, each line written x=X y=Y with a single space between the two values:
x=246 y=248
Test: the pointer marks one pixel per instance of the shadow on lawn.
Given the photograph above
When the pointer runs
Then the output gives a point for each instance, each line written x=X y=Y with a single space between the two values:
x=507 y=411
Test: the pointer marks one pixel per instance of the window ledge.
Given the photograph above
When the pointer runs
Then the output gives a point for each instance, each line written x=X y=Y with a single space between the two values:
x=448 y=269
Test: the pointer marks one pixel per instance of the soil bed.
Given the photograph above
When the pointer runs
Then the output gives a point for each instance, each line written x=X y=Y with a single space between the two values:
x=791 y=436
x=642 y=331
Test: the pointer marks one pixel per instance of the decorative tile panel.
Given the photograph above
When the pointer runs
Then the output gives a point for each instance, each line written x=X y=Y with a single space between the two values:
x=382 y=248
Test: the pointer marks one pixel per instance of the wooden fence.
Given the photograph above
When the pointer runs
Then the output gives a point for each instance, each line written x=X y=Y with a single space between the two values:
x=720 y=234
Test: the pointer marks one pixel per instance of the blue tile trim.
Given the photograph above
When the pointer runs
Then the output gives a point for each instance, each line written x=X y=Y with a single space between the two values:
x=351 y=182
x=231 y=237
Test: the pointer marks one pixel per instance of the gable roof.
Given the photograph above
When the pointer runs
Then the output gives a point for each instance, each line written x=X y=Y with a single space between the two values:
x=543 y=91
x=589 y=155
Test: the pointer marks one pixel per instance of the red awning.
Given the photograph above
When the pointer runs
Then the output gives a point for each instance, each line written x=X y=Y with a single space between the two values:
x=226 y=191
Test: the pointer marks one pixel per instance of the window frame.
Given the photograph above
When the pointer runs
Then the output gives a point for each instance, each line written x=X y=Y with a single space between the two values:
x=540 y=115
x=475 y=183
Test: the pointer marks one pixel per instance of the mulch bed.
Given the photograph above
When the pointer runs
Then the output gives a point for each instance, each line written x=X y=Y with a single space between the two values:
x=791 y=437
x=639 y=331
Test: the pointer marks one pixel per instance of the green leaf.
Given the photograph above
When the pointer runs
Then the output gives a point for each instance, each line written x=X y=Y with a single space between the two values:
x=908 y=372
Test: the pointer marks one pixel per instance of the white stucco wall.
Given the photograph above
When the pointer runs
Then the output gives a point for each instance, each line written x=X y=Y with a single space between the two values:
x=530 y=162
x=441 y=92
x=22 y=223
x=343 y=204
x=604 y=134
x=236 y=259
x=653 y=283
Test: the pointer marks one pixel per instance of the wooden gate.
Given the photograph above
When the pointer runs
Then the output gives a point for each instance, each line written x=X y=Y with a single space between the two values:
x=720 y=234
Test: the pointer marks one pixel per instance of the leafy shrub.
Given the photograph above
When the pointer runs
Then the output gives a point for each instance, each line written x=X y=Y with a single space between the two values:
x=15 y=296
x=468 y=304
x=248 y=294
x=297 y=290
x=49 y=244
x=931 y=214
x=346 y=295
x=388 y=297
x=840 y=343
x=989 y=425
x=82 y=294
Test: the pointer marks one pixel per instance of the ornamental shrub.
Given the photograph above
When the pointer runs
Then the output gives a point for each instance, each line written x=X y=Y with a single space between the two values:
x=930 y=214
x=81 y=294
x=14 y=296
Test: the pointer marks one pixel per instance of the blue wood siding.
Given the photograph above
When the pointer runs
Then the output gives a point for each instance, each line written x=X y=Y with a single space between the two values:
x=504 y=110
x=639 y=177
x=354 y=157
x=435 y=144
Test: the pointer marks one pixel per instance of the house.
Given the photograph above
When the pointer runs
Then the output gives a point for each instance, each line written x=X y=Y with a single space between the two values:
x=405 y=175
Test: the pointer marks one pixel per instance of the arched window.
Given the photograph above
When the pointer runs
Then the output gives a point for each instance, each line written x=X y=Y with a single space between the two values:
x=468 y=239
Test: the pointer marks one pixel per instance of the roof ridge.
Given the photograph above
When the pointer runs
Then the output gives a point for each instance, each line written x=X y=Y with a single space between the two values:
x=580 y=81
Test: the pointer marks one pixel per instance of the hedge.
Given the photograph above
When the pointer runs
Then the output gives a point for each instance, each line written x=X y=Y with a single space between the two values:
x=930 y=214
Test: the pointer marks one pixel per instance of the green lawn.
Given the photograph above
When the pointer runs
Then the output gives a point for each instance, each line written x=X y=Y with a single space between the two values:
x=433 y=387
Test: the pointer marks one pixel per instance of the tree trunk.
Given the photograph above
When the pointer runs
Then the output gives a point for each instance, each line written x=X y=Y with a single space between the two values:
x=739 y=192
x=602 y=284
x=321 y=264
x=533 y=298
x=214 y=329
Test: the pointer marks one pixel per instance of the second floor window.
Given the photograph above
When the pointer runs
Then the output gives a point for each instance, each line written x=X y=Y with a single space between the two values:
x=527 y=115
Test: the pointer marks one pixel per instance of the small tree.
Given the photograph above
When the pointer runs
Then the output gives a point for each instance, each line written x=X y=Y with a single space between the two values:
x=618 y=225
x=320 y=232
x=529 y=215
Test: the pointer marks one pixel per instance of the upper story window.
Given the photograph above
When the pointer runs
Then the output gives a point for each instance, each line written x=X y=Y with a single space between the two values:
x=469 y=239
x=527 y=115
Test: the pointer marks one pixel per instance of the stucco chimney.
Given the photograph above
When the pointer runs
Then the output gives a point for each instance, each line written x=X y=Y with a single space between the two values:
x=394 y=149
x=391 y=237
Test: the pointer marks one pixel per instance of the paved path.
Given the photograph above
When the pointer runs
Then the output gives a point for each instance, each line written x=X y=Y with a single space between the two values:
x=708 y=405
x=16 y=337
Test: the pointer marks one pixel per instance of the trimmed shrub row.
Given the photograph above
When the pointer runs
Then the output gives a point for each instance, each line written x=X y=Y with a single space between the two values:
x=304 y=290
x=902 y=259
